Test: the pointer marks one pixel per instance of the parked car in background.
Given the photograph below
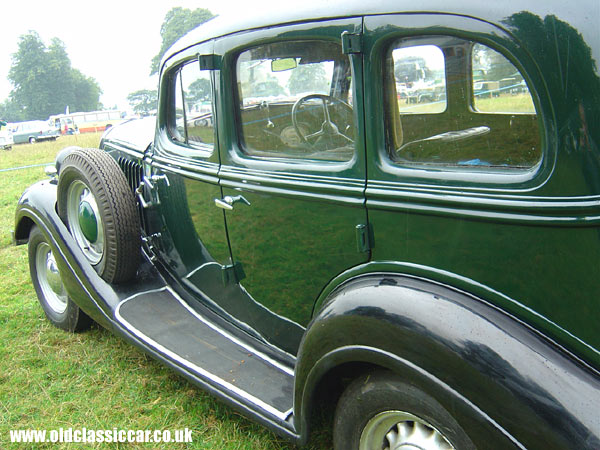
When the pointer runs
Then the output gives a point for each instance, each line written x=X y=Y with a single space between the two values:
x=33 y=131
x=6 y=139
x=298 y=237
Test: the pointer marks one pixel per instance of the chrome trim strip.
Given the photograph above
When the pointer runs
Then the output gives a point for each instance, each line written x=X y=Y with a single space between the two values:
x=202 y=266
x=282 y=415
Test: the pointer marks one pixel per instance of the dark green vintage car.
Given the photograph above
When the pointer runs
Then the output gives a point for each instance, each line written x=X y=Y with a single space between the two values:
x=392 y=211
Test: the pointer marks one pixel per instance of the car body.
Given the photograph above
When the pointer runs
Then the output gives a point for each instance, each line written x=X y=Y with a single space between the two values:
x=431 y=267
x=33 y=131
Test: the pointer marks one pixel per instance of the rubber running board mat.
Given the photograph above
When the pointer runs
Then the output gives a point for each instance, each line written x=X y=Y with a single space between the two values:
x=166 y=323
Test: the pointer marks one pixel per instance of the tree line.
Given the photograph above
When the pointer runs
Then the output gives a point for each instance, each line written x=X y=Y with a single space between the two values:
x=45 y=83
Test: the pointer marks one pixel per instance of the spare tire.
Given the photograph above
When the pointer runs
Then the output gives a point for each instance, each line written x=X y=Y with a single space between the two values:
x=99 y=208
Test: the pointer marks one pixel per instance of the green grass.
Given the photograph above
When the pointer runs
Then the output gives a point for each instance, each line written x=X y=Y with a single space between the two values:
x=51 y=379
x=504 y=104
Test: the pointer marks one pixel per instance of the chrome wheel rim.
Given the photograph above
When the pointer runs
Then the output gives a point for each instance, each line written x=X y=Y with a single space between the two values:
x=83 y=215
x=398 y=430
x=49 y=279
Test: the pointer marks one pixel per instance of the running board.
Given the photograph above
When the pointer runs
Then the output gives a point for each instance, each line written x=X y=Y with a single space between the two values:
x=163 y=320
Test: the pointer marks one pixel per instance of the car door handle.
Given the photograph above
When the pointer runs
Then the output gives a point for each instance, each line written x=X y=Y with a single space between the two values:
x=228 y=201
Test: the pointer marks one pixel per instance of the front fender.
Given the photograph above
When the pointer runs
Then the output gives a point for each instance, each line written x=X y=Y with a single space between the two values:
x=495 y=374
x=90 y=292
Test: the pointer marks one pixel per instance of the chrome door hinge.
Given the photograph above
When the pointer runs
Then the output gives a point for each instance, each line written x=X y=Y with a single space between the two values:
x=152 y=243
x=147 y=185
x=351 y=43
x=364 y=238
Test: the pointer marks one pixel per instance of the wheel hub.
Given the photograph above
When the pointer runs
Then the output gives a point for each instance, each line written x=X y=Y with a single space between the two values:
x=88 y=221
x=85 y=221
x=49 y=279
x=397 y=430
x=53 y=275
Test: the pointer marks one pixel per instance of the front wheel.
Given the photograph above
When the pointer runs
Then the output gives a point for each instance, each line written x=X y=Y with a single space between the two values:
x=381 y=412
x=48 y=285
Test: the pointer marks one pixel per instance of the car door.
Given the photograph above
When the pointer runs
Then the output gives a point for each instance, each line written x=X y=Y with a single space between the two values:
x=292 y=166
x=466 y=182
x=189 y=236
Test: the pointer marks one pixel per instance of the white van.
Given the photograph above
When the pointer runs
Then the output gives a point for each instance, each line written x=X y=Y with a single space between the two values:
x=6 y=138
x=33 y=131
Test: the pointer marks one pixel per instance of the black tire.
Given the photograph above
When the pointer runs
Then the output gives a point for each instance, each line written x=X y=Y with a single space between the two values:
x=32 y=140
x=58 y=307
x=92 y=178
x=379 y=403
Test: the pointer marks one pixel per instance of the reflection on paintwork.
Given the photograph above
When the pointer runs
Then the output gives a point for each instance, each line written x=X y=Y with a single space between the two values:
x=179 y=208
x=291 y=248
x=446 y=333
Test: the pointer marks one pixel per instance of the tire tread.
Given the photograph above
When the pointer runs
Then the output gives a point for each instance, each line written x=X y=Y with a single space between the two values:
x=117 y=206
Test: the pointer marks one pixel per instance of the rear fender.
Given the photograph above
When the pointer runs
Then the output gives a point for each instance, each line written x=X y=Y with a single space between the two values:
x=496 y=375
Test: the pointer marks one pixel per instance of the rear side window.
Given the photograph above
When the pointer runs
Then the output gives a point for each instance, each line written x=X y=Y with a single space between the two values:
x=420 y=79
x=498 y=87
x=458 y=104
x=192 y=120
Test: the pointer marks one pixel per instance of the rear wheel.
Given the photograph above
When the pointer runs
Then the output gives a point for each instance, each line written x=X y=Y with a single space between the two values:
x=51 y=293
x=381 y=412
x=96 y=203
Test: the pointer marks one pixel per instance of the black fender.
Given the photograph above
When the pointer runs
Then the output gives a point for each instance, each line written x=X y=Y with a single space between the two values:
x=506 y=384
x=97 y=298
x=60 y=156
x=37 y=206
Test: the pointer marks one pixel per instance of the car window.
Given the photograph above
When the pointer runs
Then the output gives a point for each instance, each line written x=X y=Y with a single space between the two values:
x=192 y=123
x=295 y=101
x=453 y=103
x=420 y=77
x=498 y=87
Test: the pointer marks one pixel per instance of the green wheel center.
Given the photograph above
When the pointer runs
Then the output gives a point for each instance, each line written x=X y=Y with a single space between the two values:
x=88 y=221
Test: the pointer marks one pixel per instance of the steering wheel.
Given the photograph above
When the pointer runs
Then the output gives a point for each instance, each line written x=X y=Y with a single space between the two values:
x=329 y=130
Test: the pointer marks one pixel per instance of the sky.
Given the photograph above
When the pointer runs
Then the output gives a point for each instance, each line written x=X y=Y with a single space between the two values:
x=109 y=40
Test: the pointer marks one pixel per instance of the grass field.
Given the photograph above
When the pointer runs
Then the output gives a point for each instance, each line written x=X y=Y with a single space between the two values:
x=50 y=379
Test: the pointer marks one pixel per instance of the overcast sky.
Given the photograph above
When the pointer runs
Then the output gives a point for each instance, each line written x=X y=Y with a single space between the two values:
x=110 y=40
